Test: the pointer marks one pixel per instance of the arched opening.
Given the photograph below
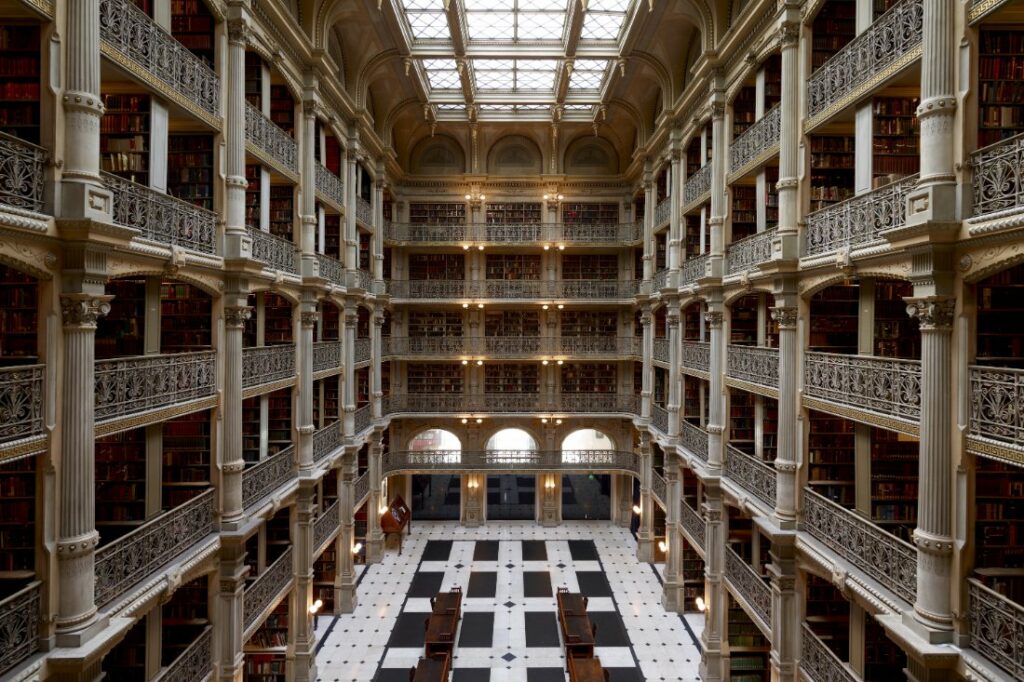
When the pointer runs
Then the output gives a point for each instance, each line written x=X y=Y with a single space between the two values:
x=512 y=440
x=436 y=496
x=509 y=496
x=433 y=440
x=585 y=439
x=586 y=496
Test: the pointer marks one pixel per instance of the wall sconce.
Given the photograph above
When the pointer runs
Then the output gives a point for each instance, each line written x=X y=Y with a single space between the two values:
x=480 y=306
x=559 y=362
x=561 y=306
x=357 y=548
x=465 y=305
x=545 y=306
x=558 y=421
x=663 y=546
x=479 y=420
x=544 y=362
x=701 y=606
x=549 y=484
x=479 y=363
x=316 y=606
x=547 y=247
x=636 y=509
x=561 y=247
x=472 y=484
x=465 y=247
x=465 y=421
x=465 y=362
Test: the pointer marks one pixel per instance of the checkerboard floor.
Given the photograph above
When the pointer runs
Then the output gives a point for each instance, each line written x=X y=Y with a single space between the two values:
x=509 y=572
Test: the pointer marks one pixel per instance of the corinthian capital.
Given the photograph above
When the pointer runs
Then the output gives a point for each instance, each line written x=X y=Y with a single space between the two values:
x=789 y=35
x=785 y=316
x=309 y=318
x=236 y=315
x=83 y=310
x=713 y=318
x=238 y=31
x=933 y=312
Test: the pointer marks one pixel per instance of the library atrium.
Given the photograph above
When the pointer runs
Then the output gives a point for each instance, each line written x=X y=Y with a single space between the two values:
x=511 y=340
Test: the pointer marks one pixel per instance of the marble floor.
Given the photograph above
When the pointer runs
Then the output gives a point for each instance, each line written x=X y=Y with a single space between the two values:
x=508 y=572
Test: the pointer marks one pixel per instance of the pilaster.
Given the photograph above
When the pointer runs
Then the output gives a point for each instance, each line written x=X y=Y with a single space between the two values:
x=785 y=608
x=789 y=141
x=650 y=204
x=306 y=427
x=550 y=508
x=787 y=454
x=348 y=354
x=472 y=491
x=377 y=358
x=672 y=589
x=645 y=533
x=376 y=503
x=303 y=637
x=345 y=597
x=714 y=661
x=237 y=243
x=647 y=355
x=236 y=312
x=674 y=377
x=230 y=610
x=716 y=392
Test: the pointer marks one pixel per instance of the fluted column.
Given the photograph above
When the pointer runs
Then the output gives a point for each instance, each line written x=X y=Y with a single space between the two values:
x=376 y=354
x=713 y=663
x=716 y=399
x=674 y=377
x=377 y=501
x=306 y=427
x=348 y=354
x=671 y=597
x=231 y=461
x=345 y=597
x=719 y=208
x=76 y=536
x=787 y=456
x=377 y=259
x=675 y=189
x=236 y=241
x=82 y=192
x=308 y=215
x=650 y=201
x=230 y=608
x=303 y=636
x=647 y=380
x=785 y=608
x=934 y=533
x=351 y=236
x=645 y=533
x=789 y=129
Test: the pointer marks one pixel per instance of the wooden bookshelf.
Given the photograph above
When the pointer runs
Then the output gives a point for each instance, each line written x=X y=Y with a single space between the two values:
x=282 y=108
x=193 y=25
x=883 y=659
x=772 y=81
x=661 y=250
x=124 y=137
x=186 y=318
x=279 y=536
x=639 y=208
x=325 y=570
x=329 y=326
x=437 y=213
x=833 y=27
x=17 y=524
x=895 y=152
x=832 y=170
x=186 y=458
x=120 y=483
x=279 y=420
x=999 y=517
x=1000 y=84
x=575 y=323
x=127 y=660
x=253 y=173
x=364 y=250
x=329 y=406
x=691 y=238
x=769 y=428
x=590 y=266
x=450 y=266
x=897 y=335
x=185 y=617
x=827 y=614
x=511 y=377
x=332 y=236
x=254 y=80
x=693 y=159
x=512 y=266
x=266 y=649
x=743 y=320
x=251 y=429
x=282 y=211
x=19 y=317
x=693 y=577
x=20 y=80
x=120 y=332
x=638 y=377
x=693 y=322
x=1000 y=319
x=771 y=197
x=880 y=7
x=434 y=377
x=589 y=213
x=894 y=490
x=362 y=386
x=834 y=319
x=743 y=110
x=522 y=323
x=748 y=648
x=277 y=315
x=741 y=420
x=831 y=466
x=589 y=377
x=190 y=167
x=691 y=399
x=422 y=323
x=514 y=212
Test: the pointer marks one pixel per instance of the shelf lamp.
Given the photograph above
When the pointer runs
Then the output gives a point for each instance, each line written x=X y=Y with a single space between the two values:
x=701 y=606
x=316 y=606
x=636 y=509
x=663 y=546
x=357 y=548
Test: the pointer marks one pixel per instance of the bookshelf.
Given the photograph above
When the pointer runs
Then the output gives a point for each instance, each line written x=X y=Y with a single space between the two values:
x=364 y=250
x=830 y=442
x=638 y=207
x=279 y=420
x=190 y=168
x=437 y=213
x=590 y=377
x=17 y=524
x=590 y=266
x=693 y=577
x=1000 y=319
x=265 y=651
x=999 y=524
x=661 y=250
x=743 y=112
x=362 y=323
x=748 y=648
x=120 y=483
x=691 y=399
x=894 y=458
x=741 y=420
x=883 y=660
x=282 y=108
x=832 y=169
x=772 y=81
x=186 y=458
x=192 y=25
x=833 y=28
x=253 y=174
x=771 y=197
x=834 y=319
x=329 y=326
x=254 y=80
x=660 y=384
x=514 y=212
x=19 y=317
x=185 y=617
x=282 y=206
x=362 y=386
x=897 y=335
x=277 y=316
x=589 y=323
x=332 y=235
x=638 y=377
x=423 y=323
x=827 y=614
x=325 y=570
x=692 y=323
x=437 y=266
x=513 y=266
x=743 y=320
x=769 y=428
x=521 y=323
x=894 y=145
x=20 y=80
x=124 y=137
x=279 y=537
x=186 y=314
x=332 y=158
x=511 y=378
x=328 y=406
x=251 y=429
x=1000 y=84
x=580 y=213
x=434 y=377
x=127 y=660
x=120 y=332
x=693 y=160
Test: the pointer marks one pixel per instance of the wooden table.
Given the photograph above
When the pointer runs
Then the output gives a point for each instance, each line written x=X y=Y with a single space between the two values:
x=571 y=603
x=585 y=670
x=579 y=636
x=447 y=602
x=432 y=669
x=440 y=635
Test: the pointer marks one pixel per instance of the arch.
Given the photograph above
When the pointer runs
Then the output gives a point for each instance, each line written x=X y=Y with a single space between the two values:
x=989 y=260
x=438 y=155
x=585 y=439
x=515 y=155
x=434 y=439
x=589 y=155
x=290 y=296
x=734 y=296
x=512 y=439
x=202 y=285
x=840 y=277
x=366 y=75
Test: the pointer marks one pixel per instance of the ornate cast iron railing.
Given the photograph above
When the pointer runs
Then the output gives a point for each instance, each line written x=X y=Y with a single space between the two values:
x=331 y=269
x=462 y=403
x=762 y=136
x=693 y=523
x=511 y=346
x=329 y=185
x=528 y=289
x=363 y=417
x=133 y=557
x=505 y=460
x=364 y=212
x=266 y=476
x=512 y=402
x=277 y=253
x=265 y=590
x=659 y=281
x=596 y=233
x=857 y=221
x=21 y=402
x=412 y=232
x=22 y=173
x=426 y=345
x=194 y=664
x=749 y=252
x=756 y=364
x=693 y=269
x=997 y=404
x=996 y=627
x=363 y=279
x=884 y=385
x=884 y=557
x=697 y=185
x=265 y=364
x=598 y=345
x=663 y=211
x=998 y=176
x=269 y=138
x=626 y=403
x=697 y=355
x=659 y=418
x=818 y=663
x=161 y=217
x=326 y=440
x=19 y=626
x=326 y=356
x=360 y=489
x=127 y=386
x=866 y=57
x=361 y=349
x=753 y=475
x=694 y=439
x=141 y=41
x=751 y=586
x=659 y=486
x=511 y=233
x=325 y=525
x=661 y=350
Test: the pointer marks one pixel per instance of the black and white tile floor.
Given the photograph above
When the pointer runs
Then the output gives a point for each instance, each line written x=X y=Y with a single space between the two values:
x=509 y=572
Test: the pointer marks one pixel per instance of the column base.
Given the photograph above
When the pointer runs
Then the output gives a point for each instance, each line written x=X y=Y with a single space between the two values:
x=472 y=521
x=927 y=631
x=671 y=599
x=346 y=598
x=374 y=549
x=304 y=667
x=80 y=635
x=712 y=666
x=645 y=550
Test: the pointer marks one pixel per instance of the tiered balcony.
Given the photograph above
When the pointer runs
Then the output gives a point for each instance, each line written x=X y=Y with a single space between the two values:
x=693 y=269
x=19 y=623
x=885 y=391
x=402 y=461
x=194 y=663
x=750 y=252
x=998 y=182
x=162 y=218
x=326 y=358
x=511 y=233
x=266 y=365
x=754 y=367
x=21 y=403
x=361 y=489
x=265 y=477
x=363 y=419
x=661 y=350
x=364 y=212
x=331 y=269
x=663 y=212
x=751 y=474
x=890 y=44
x=510 y=347
x=359 y=279
x=330 y=188
x=694 y=525
x=326 y=527
x=141 y=47
x=818 y=663
x=22 y=173
x=745 y=582
x=136 y=385
x=659 y=487
x=523 y=403
x=522 y=290
x=996 y=628
x=997 y=410
x=659 y=418
x=694 y=439
x=757 y=144
x=859 y=222
x=696 y=359
x=362 y=351
x=266 y=140
x=265 y=592
x=326 y=441
x=274 y=252
x=697 y=188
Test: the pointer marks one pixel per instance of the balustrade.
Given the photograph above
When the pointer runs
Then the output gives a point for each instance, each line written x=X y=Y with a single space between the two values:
x=269 y=138
x=694 y=439
x=696 y=356
x=886 y=386
x=658 y=487
x=447 y=403
x=264 y=477
x=161 y=217
x=363 y=418
x=194 y=664
x=752 y=474
x=757 y=140
x=505 y=460
x=22 y=173
x=755 y=364
x=364 y=212
x=996 y=627
x=857 y=221
x=818 y=663
x=998 y=176
x=442 y=233
x=512 y=233
x=693 y=269
x=277 y=253
x=697 y=186
x=597 y=233
x=659 y=281
x=626 y=403
x=326 y=525
x=326 y=356
x=265 y=590
x=751 y=586
x=662 y=212
x=361 y=350
x=427 y=345
x=21 y=402
x=329 y=186
x=693 y=523
x=661 y=350
x=126 y=386
x=599 y=345
x=19 y=625
x=361 y=489
x=997 y=404
x=326 y=441
x=749 y=252
x=266 y=364
x=512 y=346
x=522 y=289
x=659 y=418
x=331 y=269
x=512 y=402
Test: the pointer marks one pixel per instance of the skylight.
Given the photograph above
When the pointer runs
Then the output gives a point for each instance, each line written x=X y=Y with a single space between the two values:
x=588 y=74
x=426 y=19
x=516 y=20
x=442 y=74
x=515 y=75
x=604 y=19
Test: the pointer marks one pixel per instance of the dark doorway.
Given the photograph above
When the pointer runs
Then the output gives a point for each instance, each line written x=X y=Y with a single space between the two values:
x=511 y=498
x=435 y=497
x=586 y=497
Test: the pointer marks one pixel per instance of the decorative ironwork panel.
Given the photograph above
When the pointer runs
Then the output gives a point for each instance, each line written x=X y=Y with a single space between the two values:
x=511 y=233
x=362 y=279
x=885 y=385
x=658 y=486
x=659 y=418
x=19 y=626
x=750 y=585
x=600 y=402
x=659 y=281
x=693 y=523
x=264 y=364
x=693 y=269
x=132 y=385
x=360 y=488
x=756 y=364
x=194 y=664
x=363 y=418
x=753 y=475
x=265 y=590
x=364 y=212
x=513 y=346
x=326 y=440
x=21 y=402
x=413 y=232
x=326 y=356
x=697 y=185
x=504 y=460
x=264 y=477
x=663 y=211
x=329 y=185
x=426 y=345
x=661 y=350
x=595 y=288
x=512 y=402
x=429 y=403
x=749 y=252
x=818 y=663
x=267 y=136
x=331 y=269
x=858 y=221
x=997 y=628
x=135 y=556
x=595 y=345
x=511 y=288
x=161 y=217
x=998 y=176
x=326 y=524
x=694 y=439
x=762 y=136
x=596 y=233
x=141 y=41
x=361 y=349
x=884 y=557
x=697 y=355
x=429 y=288
x=22 y=173
x=275 y=252
x=997 y=404
x=866 y=57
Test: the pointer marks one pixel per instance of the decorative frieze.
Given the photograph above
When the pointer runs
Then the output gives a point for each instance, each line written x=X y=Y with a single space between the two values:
x=162 y=218
x=696 y=356
x=400 y=461
x=997 y=404
x=326 y=356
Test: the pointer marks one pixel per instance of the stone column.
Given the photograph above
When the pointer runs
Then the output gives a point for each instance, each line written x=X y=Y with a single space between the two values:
x=785 y=608
x=625 y=500
x=472 y=490
x=77 y=537
x=650 y=204
x=647 y=380
x=230 y=608
x=377 y=501
x=306 y=427
x=83 y=194
x=645 y=534
x=237 y=243
x=377 y=258
x=550 y=509
x=345 y=598
x=787 y=454
x=376 y=355
x=716 y=393
x=934 y=533
x=714 y=662
x=719 y=207
x=303 y=636
x=351 y=232
x=789 y=132
x=675 y=232
x=236 y=312
x=348 y=351
x=307 y=239
x=672 y=590
x=674 y=377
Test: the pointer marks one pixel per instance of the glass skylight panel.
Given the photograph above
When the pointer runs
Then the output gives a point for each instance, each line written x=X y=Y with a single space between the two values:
x=516 y=20
x=608 y=5
x=577 y=107
x=442 y=74
x=540 y=26
x=602 y=26
x=428 y=25
x=491 y=25
x=588 y=74
x=535 y=74
x=494 y=74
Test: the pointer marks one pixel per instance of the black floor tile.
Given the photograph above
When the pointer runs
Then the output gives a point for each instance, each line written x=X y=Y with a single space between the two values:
x=425 y=584
x=482 y=584
x=536 y=584
x=535 y=550
x=541 y=629
x=471 y=675
x=625 y=674
x=545 y=675
x=392 y=675
x=408 y=631
x=582 y=550
x=477 y=629
x=437 y=550
x=485 y=550
x=611 y=631
x=593 y=584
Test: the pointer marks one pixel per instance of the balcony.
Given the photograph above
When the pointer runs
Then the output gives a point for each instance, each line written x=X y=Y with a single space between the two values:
x=582 y=346
x=661 y=350
x=600 y=403
x=996 y=628
x=659 y=418
x=22 y=173
x=755 y=365
x=505 y=289
x=757 y=144
x=138 y=45
x=818 y=663
x=329 y=187
x=194 y=663
x=270 y=143
x=19 y=623
x=858 y=222
x=512 y=402
x=446 y=233
x=997 y=410
x=694 y=439
x=750 y=252
x=693 y=269
x=136 y=385
x=326 y=441
x=331 y=269
x=361 y=488
x=886 y=391
x=266 y=476
x=264 y=365
x=21 y=403
x=431 y=346
x=884 y=557
x=363 y=419
x=697 y=187
x=998 y=178
x=268 y=588
x=528 y=403
x=659 y=281
x=162 y=218
x=276 y=253
x=401 y=461
x=325 y=527
x=751 y=474
x=696 y=358
x=132 y=558
x=746 y=582
x=597 y=233
x=511 y=233
x=326 y=358
x=693 y=525
x=663 y=212
x=364 y=212
x=891 y=43
x=362 y=351
x=658 y=487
